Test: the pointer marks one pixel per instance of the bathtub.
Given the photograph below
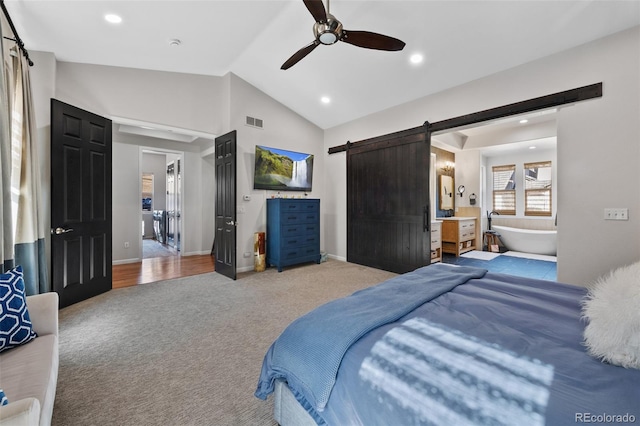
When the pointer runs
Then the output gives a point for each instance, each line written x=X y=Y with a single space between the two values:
x=528 y=240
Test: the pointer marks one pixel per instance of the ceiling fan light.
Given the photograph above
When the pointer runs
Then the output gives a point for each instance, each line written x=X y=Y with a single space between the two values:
x=327 y=38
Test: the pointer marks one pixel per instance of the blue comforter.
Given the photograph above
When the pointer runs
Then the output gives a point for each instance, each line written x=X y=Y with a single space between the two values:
x=309 y=351
x=499 y=350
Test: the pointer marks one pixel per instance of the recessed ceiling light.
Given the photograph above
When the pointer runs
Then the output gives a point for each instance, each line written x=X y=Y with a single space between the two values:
x=532 y=147
x=523 y=121
x=416 y=58
x=113 y=19
x=325 y=99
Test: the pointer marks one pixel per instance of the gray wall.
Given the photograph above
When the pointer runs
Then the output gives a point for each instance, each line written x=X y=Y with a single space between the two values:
x=283 y=128
x=597 y=142
x=598 y=148
x=208 y=104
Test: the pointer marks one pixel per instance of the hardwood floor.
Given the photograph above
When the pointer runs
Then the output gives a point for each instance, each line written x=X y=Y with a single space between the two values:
x=161 y=268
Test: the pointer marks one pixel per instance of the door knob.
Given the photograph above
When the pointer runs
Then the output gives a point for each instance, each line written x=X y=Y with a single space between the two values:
x=59 y=230
x=231 y=223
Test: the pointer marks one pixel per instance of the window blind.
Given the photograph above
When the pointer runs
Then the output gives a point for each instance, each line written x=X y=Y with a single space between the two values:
x=504 y=189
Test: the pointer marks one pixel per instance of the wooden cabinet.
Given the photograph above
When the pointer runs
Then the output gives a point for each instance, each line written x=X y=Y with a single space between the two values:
x=436 y=242
x=293 y=231
x=458 y=235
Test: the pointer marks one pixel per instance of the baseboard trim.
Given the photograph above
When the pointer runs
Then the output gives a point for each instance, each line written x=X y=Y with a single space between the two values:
x=196 y=253
x=125 y=261
x=334 y=257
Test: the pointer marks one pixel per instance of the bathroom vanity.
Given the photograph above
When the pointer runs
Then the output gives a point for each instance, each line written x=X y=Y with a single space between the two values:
x=436 y=241
x=458 y=234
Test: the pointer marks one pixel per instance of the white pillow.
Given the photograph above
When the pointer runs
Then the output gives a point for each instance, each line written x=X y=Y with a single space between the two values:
x=612 y=308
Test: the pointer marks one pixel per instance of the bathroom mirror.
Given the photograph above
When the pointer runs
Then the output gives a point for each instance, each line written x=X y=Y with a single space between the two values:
x=446 y=192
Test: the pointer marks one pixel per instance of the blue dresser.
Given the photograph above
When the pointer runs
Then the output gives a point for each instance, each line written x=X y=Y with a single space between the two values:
x=293 y=231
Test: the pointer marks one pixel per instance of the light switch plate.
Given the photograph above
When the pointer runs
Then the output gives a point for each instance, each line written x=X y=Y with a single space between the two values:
x=616 y=214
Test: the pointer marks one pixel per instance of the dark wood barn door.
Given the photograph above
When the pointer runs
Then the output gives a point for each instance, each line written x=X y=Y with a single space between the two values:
x=388 y=221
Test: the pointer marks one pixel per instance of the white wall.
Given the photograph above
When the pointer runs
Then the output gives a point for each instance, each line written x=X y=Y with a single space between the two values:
x=467 y=173
x=598 y=143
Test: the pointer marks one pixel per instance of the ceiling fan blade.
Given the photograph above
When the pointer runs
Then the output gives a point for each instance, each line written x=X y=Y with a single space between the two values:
x=372 y=40
x=316 y=7
x=299 y=55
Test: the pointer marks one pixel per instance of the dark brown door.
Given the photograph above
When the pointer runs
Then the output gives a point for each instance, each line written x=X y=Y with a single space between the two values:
x=225 y=238
x=80 y=203
x=388 y=223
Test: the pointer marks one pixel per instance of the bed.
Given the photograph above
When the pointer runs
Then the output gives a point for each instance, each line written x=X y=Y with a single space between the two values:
x=446 y=345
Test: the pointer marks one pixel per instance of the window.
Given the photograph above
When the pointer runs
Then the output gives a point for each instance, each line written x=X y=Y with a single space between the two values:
x=504 y=189
x=147 y=191
x=537 y=189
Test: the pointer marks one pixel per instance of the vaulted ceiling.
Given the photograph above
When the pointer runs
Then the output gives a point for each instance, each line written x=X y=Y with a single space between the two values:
x=459 y=40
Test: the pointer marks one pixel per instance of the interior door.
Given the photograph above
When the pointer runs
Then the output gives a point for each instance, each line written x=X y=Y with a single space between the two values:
x=80 y=203
x=225 y=238
x=388 y=201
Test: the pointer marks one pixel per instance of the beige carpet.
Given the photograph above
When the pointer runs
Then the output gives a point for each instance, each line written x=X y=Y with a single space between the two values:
x=186 y=351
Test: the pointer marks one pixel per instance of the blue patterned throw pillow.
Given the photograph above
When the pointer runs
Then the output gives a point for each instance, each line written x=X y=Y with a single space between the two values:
x=15 y=324
x=3 y=398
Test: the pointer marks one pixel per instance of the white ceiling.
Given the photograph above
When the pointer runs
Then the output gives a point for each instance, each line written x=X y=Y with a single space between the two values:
x=460 y=40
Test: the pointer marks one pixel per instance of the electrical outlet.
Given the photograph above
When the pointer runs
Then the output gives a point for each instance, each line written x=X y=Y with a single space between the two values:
x=616 y=214
x=126 y=244
x=247 y=254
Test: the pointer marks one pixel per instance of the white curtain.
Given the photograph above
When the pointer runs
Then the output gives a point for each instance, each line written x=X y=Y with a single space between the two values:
x=30 y=231
x=6 y=220
x=22 y=219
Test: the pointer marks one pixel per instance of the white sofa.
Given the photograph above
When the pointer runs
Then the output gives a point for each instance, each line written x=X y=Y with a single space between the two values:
x=29 y=373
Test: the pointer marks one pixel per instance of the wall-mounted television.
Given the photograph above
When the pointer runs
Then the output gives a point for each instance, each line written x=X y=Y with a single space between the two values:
x=282 y=170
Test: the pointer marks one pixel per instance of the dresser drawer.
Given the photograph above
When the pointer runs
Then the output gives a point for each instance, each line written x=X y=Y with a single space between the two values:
x=436 y=233
x=298 y=252
x=291 y=217
x=467 y=235
x=298 y=206
x=299 y=229
x=467 y=225
x=299 y=240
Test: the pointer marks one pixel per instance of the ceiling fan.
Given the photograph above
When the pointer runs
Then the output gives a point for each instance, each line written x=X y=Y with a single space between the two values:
x=328 y=30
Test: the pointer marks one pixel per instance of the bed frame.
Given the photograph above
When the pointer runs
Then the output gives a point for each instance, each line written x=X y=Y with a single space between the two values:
x=287 y=411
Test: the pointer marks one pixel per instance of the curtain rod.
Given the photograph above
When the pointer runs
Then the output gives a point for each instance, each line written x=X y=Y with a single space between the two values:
x=17 y=38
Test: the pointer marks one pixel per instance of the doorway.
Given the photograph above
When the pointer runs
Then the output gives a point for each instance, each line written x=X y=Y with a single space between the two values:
x=528 y=139
x=162 y=203
x=554 y=100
